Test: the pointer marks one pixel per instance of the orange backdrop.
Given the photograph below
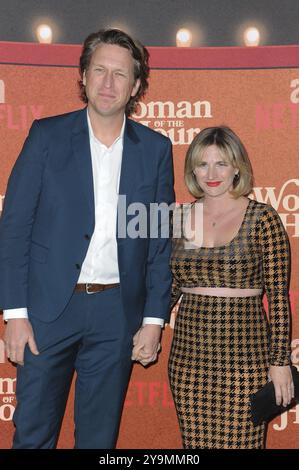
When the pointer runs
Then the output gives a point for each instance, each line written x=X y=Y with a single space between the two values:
x=256 y=92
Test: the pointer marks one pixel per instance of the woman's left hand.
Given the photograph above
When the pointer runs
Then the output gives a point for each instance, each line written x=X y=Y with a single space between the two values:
x=281 y=377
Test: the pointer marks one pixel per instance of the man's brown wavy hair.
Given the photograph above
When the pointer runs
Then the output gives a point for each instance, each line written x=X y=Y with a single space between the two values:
x=139 y=54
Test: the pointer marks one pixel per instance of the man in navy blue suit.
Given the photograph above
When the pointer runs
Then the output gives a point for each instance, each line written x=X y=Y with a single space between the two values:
x=76 y=295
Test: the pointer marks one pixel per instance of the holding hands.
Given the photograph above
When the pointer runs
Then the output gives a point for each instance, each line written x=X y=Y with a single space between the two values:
x=146 y=344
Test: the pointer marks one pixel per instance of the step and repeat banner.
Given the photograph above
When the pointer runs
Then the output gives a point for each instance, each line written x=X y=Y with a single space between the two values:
x=253 y=90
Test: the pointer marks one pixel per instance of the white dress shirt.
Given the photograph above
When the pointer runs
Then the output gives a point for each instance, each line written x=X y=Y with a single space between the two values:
x=100 y=265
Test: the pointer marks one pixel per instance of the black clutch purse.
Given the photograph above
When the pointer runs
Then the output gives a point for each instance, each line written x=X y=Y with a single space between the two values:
x=263 y=403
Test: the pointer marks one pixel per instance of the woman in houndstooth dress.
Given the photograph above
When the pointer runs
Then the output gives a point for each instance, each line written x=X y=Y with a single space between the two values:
x=227 y=251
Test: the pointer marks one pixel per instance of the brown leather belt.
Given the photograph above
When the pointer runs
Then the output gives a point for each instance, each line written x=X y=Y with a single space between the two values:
x=93 y=288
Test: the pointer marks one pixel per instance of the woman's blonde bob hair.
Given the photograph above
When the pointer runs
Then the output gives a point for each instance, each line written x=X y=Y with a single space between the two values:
x=232 y=150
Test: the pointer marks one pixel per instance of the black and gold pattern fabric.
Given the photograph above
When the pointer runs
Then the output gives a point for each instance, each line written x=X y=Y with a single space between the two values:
x=223 y=346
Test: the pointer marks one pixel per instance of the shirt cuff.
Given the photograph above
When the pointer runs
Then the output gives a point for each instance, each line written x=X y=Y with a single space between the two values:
x=15 y=313
x=153 y=321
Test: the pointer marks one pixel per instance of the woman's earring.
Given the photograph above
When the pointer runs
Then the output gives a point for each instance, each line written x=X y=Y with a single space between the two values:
x=236 y=177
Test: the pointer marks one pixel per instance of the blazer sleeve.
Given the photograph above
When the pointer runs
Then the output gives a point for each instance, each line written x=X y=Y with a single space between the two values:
x=276 y=271
x=158 y=273
x=20 y=205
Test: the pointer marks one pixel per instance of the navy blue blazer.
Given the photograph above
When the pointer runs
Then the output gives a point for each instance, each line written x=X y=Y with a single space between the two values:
x=48 y=219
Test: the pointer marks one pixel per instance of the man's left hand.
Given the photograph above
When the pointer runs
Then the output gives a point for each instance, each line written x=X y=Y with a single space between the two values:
x=146 y=344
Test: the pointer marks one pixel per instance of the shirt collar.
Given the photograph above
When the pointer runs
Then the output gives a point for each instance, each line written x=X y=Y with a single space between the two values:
x=92 y=136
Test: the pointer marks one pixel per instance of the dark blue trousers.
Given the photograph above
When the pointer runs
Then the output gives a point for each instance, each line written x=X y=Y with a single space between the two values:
x=91 y=337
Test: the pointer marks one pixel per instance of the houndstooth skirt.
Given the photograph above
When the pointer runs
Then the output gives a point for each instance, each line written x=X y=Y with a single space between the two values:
x=218 y=357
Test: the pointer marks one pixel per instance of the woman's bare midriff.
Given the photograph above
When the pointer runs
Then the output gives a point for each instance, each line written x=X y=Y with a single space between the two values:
x=221 y=291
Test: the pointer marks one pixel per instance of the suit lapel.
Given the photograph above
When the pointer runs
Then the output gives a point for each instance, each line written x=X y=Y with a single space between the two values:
x=81 y=150
x=131 y=152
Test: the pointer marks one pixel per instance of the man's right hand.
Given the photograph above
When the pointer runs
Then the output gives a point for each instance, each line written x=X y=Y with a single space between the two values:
x=18 y=333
